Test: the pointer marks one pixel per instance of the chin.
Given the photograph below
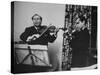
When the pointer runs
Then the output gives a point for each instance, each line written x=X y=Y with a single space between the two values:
x=37 y=25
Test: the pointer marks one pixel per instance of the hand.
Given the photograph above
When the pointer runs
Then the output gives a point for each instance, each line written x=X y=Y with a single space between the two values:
x=55 y=32
x=52 y=28
x=33 y=37
x=36 y=36
x=29 y=38
x=51 y=33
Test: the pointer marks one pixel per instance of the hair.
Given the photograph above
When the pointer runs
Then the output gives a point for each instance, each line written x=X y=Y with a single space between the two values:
x=37 y=15
x=82 y=18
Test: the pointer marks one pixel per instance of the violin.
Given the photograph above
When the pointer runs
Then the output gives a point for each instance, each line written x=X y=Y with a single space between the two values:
x=50 y=28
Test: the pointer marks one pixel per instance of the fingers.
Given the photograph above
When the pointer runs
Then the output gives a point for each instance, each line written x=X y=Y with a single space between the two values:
x=37 y=35
x=33 y=37
x=29 y=39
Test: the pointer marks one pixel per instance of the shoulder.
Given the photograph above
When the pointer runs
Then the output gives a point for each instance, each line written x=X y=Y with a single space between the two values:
x=29 y=28
x=86 y=30
x=44 y=26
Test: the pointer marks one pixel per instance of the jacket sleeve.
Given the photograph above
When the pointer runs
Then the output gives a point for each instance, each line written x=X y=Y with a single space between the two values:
x=52 y=38
x=25 y=35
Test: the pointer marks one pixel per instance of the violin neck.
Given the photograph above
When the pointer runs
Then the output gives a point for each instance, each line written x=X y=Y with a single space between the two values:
x=44 y=31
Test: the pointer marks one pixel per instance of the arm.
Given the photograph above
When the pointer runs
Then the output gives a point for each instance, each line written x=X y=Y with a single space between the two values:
x=25 y=35
x=53 y=36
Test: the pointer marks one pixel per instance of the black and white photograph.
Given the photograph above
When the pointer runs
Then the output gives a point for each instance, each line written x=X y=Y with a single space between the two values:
x=51 y=37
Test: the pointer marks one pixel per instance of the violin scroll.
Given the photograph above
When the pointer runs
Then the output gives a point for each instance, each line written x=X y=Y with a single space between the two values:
x=52 y=28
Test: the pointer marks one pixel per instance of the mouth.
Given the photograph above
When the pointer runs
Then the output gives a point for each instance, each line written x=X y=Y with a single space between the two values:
x=37 y=23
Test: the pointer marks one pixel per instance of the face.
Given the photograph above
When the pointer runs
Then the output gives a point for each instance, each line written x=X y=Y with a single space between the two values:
x=36 y=20
x=79 y=24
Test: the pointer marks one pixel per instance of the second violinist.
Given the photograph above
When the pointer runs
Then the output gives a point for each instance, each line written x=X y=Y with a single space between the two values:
x=38 y=34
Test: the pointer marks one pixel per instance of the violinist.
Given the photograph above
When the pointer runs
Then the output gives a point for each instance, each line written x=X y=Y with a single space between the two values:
x=38 y=34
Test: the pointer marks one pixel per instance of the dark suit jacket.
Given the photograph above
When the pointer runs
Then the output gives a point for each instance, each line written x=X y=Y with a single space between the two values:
x=80 y=40
x=43 y=40
x=80 y=45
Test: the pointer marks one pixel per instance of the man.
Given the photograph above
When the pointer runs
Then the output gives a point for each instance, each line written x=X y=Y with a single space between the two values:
x=38 y=34
x=80 y=43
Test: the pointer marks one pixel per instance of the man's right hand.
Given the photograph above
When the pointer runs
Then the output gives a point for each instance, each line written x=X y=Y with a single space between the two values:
x=33 y=37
